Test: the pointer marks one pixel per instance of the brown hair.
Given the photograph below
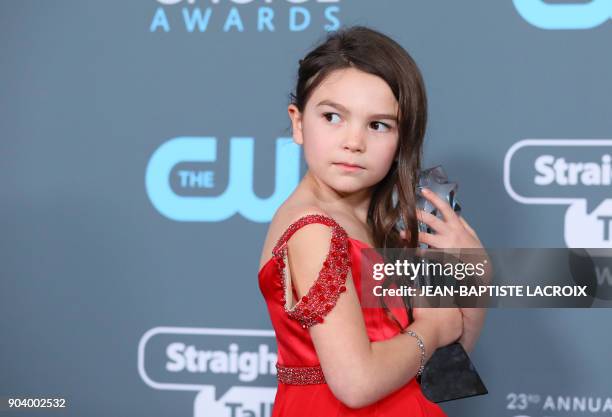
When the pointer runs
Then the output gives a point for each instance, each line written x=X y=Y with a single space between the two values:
x=375 y=53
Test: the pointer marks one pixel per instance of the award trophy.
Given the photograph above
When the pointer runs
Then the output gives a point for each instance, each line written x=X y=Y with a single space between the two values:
x=449 y=374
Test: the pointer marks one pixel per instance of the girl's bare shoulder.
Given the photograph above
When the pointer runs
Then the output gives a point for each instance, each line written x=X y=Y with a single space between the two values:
x=282 y=219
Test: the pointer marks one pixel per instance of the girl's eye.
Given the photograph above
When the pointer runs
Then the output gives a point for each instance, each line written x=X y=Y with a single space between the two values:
x=326 y=115
x=386 y=126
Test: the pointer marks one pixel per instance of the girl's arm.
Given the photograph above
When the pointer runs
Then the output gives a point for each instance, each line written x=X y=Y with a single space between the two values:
x=453 y=231
x=360 y=372
x=473 y=320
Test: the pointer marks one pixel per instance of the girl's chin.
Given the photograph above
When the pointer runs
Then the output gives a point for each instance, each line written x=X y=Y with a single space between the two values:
x=348 y=187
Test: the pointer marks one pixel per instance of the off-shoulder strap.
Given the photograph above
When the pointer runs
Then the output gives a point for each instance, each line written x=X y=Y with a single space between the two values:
x=303 y=221
x=330 y=283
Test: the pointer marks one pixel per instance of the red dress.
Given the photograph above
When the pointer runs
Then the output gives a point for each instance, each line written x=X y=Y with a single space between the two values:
x=302 y=390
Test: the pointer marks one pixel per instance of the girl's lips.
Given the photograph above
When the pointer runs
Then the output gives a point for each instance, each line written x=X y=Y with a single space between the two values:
x=348 y=167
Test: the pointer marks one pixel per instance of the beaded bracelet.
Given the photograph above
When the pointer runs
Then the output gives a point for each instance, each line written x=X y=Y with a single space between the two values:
x=421 y=346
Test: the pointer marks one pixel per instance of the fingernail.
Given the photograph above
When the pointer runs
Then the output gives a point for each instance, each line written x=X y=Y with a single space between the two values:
x=425 y=190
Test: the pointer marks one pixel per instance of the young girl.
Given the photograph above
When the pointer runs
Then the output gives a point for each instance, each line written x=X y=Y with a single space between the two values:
x=359 y=112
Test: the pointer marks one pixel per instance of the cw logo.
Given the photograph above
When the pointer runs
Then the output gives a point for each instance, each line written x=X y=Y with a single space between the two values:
x=564 y=16
x=238 y=197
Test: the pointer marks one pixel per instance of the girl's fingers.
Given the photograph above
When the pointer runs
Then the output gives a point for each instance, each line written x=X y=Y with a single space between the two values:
x=429 y=239
x=432 y=221
x=442 y=205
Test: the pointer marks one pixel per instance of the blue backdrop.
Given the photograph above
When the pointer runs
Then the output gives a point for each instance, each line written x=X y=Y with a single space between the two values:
x=141 y=140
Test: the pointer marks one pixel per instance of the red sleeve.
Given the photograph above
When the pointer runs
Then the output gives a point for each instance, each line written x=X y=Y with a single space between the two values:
x=325 y=291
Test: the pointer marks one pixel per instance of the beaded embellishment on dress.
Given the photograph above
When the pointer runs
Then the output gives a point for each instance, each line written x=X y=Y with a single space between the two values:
x=323 y=294
x=300 y=375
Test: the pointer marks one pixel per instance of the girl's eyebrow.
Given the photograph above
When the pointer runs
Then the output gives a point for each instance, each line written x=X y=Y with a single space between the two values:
x=344 y=109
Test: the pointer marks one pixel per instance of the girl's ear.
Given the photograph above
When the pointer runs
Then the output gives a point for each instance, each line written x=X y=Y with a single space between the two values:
x=296 y=123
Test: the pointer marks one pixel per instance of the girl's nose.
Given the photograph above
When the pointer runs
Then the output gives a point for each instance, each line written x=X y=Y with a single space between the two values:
x=355 y=140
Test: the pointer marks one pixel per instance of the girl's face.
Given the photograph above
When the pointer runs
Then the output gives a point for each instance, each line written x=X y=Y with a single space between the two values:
x=350 y=118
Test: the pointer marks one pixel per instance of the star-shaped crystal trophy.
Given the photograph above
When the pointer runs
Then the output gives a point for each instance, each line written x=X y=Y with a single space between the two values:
x=436 y=180
x=449 y=373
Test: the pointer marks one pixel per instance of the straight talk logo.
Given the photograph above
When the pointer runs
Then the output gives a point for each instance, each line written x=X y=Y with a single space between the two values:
x=231 y=371
x=575 y=173
x=246 y=365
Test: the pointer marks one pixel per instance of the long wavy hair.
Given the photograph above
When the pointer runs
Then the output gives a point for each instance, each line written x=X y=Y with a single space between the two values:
x=373 y=52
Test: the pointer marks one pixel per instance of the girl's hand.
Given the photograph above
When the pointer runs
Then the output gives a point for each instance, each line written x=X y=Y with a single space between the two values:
x=451 y=232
